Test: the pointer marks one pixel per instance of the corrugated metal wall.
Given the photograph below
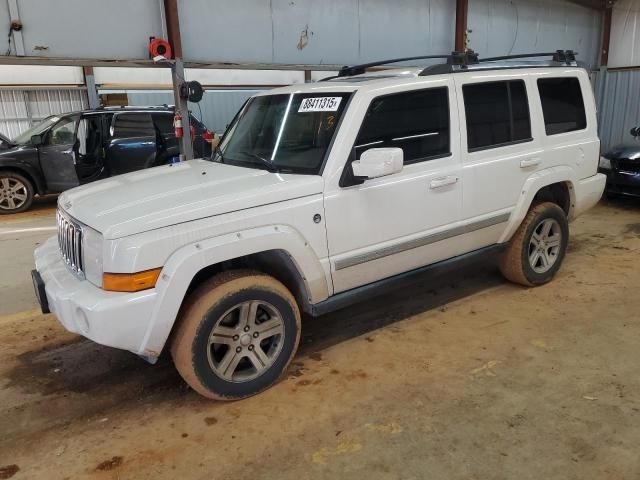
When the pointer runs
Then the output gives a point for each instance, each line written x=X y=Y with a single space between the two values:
x=20 y=109
x=503 y=27
x=618 y=98
x=314 y=31
x=625 y=34
x=218 y=106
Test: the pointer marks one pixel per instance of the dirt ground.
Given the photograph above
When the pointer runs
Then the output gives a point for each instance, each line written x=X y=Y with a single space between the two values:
x=466 y=377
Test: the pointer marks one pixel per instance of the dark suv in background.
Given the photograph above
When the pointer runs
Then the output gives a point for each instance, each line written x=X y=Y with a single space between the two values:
x=64 y=151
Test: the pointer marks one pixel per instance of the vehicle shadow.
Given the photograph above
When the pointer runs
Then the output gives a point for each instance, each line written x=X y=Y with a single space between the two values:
x=82 y=379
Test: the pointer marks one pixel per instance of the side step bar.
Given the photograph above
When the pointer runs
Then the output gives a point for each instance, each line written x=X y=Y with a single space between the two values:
x=366 y=292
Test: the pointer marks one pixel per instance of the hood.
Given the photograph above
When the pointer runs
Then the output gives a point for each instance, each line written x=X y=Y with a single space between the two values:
x=167 y=195
x=630 y=151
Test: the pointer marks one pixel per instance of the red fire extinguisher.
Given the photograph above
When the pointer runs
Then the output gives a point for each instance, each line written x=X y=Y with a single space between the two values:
x=177 y=125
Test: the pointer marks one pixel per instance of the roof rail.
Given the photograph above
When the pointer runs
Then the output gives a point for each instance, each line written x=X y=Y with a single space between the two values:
x=461 y=61
x=559 y=58
x=349 y=71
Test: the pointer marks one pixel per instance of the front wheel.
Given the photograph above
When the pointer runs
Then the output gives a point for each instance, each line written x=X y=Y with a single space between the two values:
x=16 y=193
x=534 y=254
x=236 y=335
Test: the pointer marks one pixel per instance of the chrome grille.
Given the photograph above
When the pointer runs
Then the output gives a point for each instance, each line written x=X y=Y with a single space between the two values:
x=70 y=243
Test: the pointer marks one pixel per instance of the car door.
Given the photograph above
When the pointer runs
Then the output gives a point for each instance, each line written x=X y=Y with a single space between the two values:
x=132 y=143
x=57 y=155
x=389 y=225
x=499 y=151
x=90 y=147
x=167 y=143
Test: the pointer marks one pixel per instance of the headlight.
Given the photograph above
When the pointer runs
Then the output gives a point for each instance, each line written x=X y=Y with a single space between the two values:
x=93 y=255
x=605 y=163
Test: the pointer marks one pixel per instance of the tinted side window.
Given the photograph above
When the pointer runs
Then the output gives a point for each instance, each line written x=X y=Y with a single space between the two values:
x=497 y=114
x=417 y=122
x=62 y=132
x=562 y=105
x=164 y=122
x=131 y=125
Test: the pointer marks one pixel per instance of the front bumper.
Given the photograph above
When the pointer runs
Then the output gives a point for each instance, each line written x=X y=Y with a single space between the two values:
x=113 y=319
x=622 y=182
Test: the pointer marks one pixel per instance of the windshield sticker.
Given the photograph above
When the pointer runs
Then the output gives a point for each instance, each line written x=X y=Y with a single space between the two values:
x=320 y=104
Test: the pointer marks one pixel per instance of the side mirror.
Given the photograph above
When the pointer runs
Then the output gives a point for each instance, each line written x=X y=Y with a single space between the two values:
x=635 y=132
x=36 y=140
x=378 y=162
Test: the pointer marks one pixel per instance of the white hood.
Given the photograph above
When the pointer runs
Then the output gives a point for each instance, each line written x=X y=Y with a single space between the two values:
x=171 y=194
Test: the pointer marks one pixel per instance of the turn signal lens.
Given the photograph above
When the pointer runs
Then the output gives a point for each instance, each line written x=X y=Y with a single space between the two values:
x=130 y=282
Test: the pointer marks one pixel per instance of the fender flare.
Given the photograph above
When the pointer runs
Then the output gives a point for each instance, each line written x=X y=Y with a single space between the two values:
x=182 y=266
x=532 y=186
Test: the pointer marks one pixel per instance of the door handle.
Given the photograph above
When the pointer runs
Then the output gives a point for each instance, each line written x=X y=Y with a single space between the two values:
x=530 y=162
x=443 y=182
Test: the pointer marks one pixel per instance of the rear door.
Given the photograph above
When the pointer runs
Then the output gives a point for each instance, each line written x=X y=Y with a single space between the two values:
x=132 y=143
x=499 y=151
x=57 y=155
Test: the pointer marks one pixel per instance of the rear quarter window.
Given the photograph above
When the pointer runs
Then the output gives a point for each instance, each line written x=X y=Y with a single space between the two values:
x=132 y=125
x=562 y=105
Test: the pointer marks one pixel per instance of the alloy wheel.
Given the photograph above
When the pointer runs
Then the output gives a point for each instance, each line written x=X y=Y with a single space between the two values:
x=13 y=193
x=544 y=245
x=245 y=341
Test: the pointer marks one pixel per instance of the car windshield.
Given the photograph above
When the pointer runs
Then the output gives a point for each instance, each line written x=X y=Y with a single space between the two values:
x=38 y=129
x=286 y=133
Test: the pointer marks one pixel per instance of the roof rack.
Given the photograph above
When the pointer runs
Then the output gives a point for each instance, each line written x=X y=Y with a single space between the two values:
x=469 y=60
x=559 y=58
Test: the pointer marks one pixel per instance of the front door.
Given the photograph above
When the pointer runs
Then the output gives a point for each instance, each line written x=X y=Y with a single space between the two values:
x=389 y=225
x=57 y=155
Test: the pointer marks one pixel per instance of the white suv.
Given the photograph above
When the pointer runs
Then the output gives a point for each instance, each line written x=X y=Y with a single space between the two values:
x=319 y=196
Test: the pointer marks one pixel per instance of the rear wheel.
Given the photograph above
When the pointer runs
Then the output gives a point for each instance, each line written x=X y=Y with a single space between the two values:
x=16 y=193
x=236 y=335
x=534 y=254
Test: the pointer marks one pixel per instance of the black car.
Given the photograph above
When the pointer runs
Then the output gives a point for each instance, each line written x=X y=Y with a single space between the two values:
x=64 y=151
x=621 y=165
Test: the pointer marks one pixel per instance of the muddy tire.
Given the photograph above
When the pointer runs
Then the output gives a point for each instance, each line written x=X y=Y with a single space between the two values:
x=535 y=252
x=236 y=335
x=16 y=193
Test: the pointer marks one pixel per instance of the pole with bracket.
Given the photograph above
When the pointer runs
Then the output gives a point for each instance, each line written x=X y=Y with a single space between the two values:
x=92 y=90
x=177 y=76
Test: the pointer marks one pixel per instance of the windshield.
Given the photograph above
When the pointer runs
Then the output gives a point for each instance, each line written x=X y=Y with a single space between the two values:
x=38 y=129
x=287 y=133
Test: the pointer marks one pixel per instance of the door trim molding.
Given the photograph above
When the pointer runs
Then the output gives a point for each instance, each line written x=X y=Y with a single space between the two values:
x=428 y=239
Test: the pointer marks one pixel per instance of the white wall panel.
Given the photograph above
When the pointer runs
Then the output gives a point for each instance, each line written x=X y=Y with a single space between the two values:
x=40 y=75
x=503 y=27
x=625 y=34
x=131 y=77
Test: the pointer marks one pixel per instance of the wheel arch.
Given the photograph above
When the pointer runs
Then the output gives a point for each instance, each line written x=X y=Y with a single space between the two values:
x=276 y=250
x=555 y=185
x=36 y=181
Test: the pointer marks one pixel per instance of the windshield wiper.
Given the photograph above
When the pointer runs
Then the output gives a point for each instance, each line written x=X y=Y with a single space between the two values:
x=270 y=166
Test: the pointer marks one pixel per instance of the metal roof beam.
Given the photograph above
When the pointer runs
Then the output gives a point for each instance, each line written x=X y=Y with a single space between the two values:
x=595 y=4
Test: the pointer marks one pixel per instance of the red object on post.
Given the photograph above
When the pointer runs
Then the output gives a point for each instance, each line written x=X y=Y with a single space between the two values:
x=158 y=46
x=208 y=136
x=177 y=125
